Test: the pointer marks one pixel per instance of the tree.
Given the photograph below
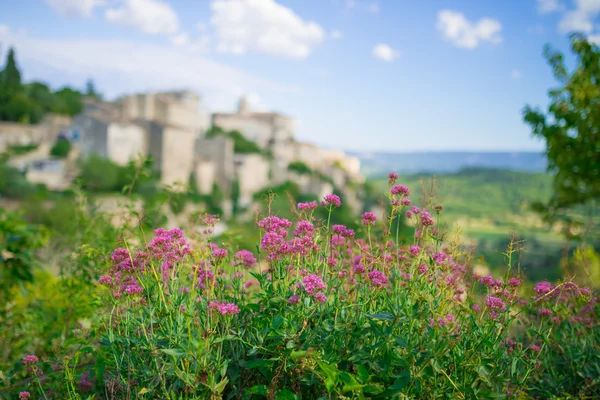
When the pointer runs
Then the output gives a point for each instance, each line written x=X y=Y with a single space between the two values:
x=90 y=90
x=571 y=129
x=10 y=78
x=61 y=148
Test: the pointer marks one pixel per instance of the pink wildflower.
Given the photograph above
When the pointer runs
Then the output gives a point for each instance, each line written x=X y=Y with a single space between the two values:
x=542 y=288
x=378 y=278
x=514 y=282
x=24 y=396
x=495 y=303
x=224 y=308
x=244 y=258
x=294 y=299
x=307 y=206
x=400 y=190
x=368 y=219
x=545 y=312
x=415 y=250
x=313 y=283
x=333 y=200
x=392 y=178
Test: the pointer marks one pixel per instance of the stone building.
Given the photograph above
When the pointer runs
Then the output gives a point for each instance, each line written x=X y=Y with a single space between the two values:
x=109 y=136
x=15 y=134
x=267 y=129
x=164 y=125
x=178 y=108
x=252 y=172
x=214 y=163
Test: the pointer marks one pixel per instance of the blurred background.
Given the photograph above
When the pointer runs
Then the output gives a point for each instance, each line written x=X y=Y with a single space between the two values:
x=165 y=109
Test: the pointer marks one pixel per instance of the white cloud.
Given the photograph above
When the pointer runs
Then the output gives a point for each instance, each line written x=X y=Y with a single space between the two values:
x=549 y=6
x=4 y=29
x=148 y=16
x=181 y=39
x=385 y=52
x=580 y=19
x=516 y=74
x=73 y=8
x=255 y=102
x=123 y=66
x=461 y=32
x=373 y=8
x=336 y=34
x=262 y=26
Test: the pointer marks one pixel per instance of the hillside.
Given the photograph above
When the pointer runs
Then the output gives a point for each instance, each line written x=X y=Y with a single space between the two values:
x=379 y=163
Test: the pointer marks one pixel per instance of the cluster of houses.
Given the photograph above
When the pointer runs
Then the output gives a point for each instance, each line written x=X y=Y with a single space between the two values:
x=171 y=128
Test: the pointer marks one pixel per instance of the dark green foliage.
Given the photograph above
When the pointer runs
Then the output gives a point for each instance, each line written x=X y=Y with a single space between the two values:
x=241 y=145
x=300 y=168
x=61 y=148
x=10 y=77
x=13 y=184
x=27 y=103
x=99 y=174
x=18 y=245
x=571 y=129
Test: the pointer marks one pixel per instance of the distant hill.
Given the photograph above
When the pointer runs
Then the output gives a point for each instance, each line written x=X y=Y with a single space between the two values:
x=373 y=164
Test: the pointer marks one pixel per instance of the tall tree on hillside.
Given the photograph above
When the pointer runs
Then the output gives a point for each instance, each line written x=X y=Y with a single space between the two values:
x=571 y=130
x=90 y=90
x=10 y=78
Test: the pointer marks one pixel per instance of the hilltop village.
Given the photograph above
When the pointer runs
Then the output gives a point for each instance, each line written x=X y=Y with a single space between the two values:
x=251 y=150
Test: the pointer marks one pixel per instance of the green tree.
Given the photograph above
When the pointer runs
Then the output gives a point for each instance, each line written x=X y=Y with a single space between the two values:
x=10 y=78
x=61 y=148
x=90 y=90
x=571 y=130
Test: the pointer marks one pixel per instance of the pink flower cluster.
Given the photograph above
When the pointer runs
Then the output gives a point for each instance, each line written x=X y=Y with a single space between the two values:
x=307 y=206
x=274 y=240
x=30 y=360
x=224 y=308
x=169 y=245
x=400 y=190
x=314 y=285
x=495 y=303
x=378 y=278
x=244 y=258
x=332 y=200
x=368 y=219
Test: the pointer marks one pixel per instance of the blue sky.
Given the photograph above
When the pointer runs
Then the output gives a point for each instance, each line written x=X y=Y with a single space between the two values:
x=392 y=75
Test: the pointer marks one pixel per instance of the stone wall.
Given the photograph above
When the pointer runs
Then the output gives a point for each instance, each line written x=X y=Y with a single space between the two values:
x=252 y=172
x=94 y=135
x=219 y=150
x=177 y=155
x=125 y=142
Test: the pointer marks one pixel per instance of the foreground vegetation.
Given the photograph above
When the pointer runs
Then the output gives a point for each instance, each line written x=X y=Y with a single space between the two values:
x=317 y=311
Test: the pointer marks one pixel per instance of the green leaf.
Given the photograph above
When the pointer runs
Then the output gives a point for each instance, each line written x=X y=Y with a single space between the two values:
x=285 y=394
x=277 y=321
x=382 y=315
x=363 y=374
x=143 y=391
x=258 y=389
x=172 y=352
x=256 y=364
x=297 y=354
x=396 y=388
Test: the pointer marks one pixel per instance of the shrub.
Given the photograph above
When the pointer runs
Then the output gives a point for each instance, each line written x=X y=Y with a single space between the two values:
x=61 y=148
x=300 y=168
x=328 y=312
